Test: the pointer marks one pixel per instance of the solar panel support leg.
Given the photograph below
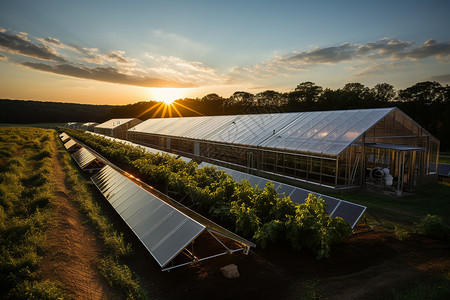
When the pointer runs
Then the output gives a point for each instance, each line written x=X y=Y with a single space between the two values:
x=228 y=250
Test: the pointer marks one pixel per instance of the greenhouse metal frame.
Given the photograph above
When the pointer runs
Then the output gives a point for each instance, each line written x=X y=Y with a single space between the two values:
x=334 y=149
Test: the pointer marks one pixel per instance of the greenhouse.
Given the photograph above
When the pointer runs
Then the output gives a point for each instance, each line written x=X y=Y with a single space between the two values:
x=116 y=127
x=89 y=126
x=334 y=149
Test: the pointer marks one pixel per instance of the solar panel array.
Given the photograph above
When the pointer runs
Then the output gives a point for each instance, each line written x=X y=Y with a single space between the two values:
x=350 y=212
x=162 y=229
x=83 y=157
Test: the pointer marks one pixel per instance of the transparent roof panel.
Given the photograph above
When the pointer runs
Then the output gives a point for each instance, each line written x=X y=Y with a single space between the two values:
x=327 y=132
x=323 y=132
x=113 y=123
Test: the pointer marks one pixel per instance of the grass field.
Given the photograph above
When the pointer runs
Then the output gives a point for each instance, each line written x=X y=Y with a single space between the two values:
x=25 y=210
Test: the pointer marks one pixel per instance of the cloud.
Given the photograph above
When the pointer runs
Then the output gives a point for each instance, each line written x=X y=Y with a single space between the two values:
x=112 y=66
x=378 y=68
x=92 y=55
x=20 y=44
x=323 y=55
x=106 y=74
x=385 y=46
x=441 y=78
x=187 y=71
x=3 y=57
x=429 y=48
x=384 y=50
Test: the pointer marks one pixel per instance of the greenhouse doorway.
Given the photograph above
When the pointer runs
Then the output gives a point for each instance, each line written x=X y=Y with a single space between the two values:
x=394 y=167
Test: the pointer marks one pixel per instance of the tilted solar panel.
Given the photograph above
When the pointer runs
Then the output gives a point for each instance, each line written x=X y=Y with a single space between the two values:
x=164 y=230
x=84 y=157
x=444 y=170
x=70 y=144
x=64 y=137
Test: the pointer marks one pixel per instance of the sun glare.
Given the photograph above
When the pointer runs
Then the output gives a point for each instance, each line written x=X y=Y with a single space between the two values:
x=167 y=95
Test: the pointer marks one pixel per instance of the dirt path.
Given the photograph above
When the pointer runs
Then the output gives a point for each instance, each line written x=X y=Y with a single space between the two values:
x=72 y=250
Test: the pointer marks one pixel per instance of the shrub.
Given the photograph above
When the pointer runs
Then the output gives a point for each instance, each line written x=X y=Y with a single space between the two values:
x=433 y=226
x=311 y=227
x=270 y=232
x=247 y=222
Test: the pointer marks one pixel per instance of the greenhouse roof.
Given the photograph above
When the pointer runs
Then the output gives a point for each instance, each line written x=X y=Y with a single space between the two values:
x=113 y=123
x=90 y=124
x=319 y=132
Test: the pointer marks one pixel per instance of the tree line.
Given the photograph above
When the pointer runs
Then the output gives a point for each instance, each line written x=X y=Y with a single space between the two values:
x=426 y=102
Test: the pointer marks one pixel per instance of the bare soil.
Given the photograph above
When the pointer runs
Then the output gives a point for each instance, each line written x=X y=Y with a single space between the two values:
x=367 y=266
x=71 y=250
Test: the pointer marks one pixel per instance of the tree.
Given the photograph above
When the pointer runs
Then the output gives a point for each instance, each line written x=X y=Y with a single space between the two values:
x=270 y=98
x=308 y=92
x=242 y=98
x=383 y=92
x=357 y=88
x=212 y=98
x=426 y=92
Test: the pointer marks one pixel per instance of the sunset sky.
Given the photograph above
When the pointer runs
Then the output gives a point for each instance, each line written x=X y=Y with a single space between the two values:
x=120 y=52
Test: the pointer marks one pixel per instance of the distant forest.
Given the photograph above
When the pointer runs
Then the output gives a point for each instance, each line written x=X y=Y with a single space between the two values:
x=426 y=102
x=27 y=112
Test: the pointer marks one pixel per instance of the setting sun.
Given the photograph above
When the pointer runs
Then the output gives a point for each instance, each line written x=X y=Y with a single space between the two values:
x=167 y=95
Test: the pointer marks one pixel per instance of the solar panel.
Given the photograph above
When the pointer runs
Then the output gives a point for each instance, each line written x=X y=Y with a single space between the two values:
x=64 y=137
x=444 y=170
x=334 y=207
x=164 y=229
x=350 y=212
x=84 y=158
x=70 y=144
x=154 y=228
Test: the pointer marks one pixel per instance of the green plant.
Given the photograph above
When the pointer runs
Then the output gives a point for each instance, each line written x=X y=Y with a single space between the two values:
x=433 y=226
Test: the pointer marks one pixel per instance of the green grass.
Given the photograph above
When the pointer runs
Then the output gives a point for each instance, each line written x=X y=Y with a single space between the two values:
x=444 y=157
x=401 y=215
x=432 y=288
x=111 y=266
x=25 y=194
